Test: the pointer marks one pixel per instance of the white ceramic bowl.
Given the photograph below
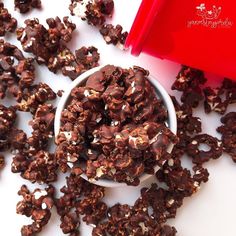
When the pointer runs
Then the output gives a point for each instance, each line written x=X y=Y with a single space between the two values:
x=161 y=93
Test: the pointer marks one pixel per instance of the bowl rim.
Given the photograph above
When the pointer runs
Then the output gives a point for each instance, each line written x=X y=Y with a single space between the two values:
x=162 y=94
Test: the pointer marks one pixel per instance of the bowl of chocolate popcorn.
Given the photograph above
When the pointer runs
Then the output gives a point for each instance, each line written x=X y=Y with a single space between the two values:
x=115 y=126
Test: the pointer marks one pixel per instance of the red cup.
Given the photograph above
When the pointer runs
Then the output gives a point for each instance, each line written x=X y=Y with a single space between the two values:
x=201 y=34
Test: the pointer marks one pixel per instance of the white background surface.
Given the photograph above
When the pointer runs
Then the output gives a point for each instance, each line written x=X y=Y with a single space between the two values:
x=211 y=212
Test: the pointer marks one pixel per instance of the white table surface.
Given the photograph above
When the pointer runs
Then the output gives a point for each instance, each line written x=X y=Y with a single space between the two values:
x=210 y=212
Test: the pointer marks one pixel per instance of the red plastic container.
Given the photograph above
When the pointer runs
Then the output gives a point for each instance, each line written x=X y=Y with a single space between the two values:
x=201 y=34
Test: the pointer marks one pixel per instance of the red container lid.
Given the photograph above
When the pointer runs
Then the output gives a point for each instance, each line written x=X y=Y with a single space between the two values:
x=200 y=35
